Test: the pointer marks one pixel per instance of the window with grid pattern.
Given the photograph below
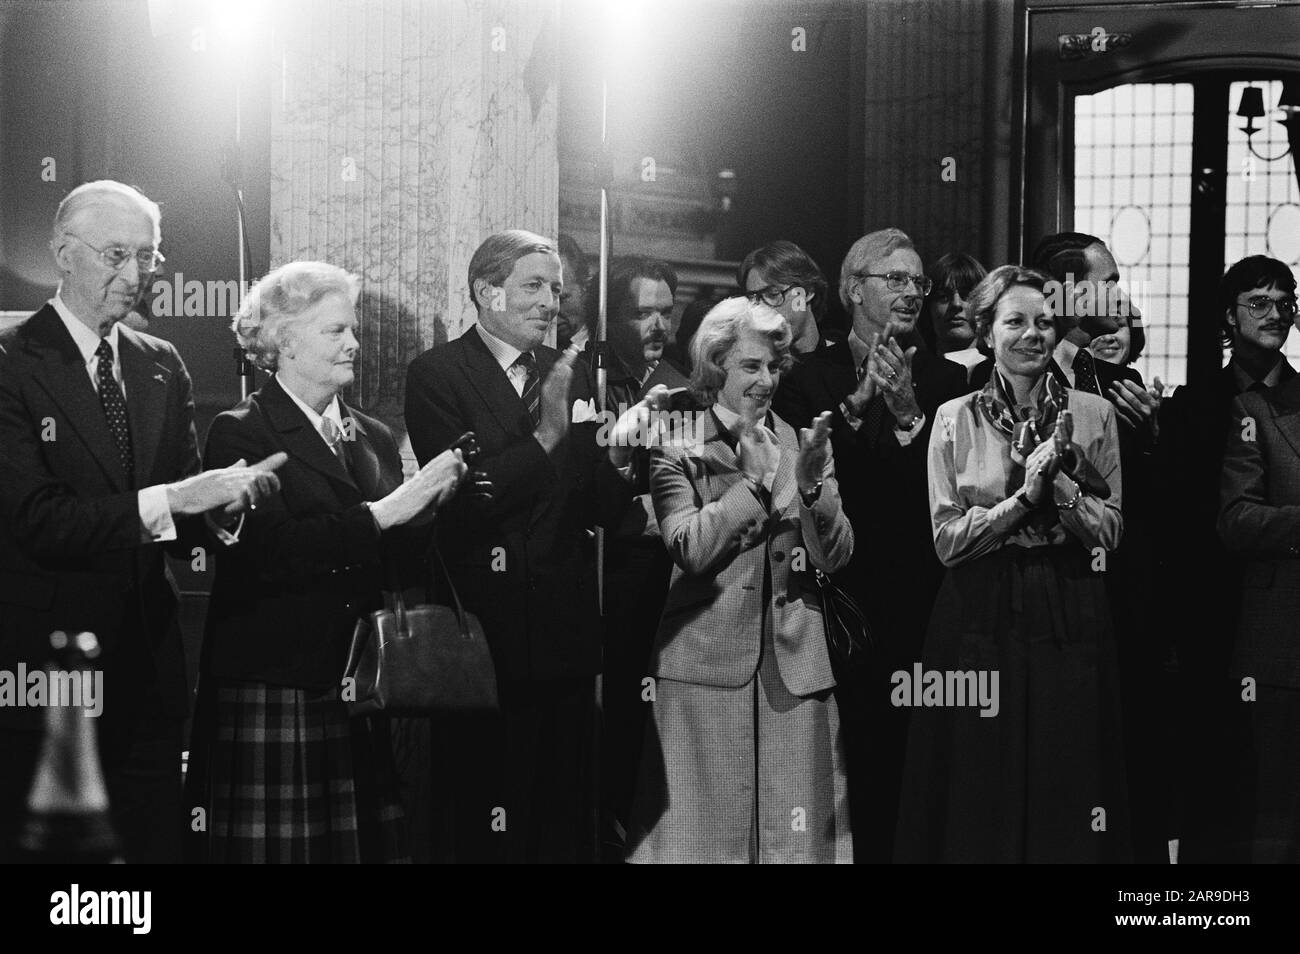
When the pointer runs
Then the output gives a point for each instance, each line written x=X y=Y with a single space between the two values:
x=1262 y=210
x=1133 y=190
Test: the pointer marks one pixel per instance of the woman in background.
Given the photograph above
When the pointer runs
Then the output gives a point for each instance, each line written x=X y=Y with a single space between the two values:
x=946 y=324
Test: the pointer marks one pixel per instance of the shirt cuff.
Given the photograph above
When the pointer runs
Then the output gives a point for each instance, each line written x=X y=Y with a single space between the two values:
x=156 y=523
x=907 y=435
x=850 y=418
x=228 y=537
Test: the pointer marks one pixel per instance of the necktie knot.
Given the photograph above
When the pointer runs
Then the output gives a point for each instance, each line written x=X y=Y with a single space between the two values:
x=331 y=432
x=105 y=351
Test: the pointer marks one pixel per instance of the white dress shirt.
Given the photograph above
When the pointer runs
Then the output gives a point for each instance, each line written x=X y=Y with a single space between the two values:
x=156 y=523
x=506 y=355
x=317 y=420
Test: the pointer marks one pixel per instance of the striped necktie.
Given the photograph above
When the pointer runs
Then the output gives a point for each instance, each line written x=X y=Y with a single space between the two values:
x=532 y=393
x=114 y=405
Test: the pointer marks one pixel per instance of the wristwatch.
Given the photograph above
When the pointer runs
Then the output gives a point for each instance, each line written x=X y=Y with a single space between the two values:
x=811 y=496
x=1023 y=496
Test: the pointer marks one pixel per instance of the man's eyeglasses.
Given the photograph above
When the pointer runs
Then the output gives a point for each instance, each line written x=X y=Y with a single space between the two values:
x=897 y=281
x=771 y=296
x=1260 y=305
x=116 y=257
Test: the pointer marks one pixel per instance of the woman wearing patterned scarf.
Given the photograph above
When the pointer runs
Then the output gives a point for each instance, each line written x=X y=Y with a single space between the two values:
x=1015 y=754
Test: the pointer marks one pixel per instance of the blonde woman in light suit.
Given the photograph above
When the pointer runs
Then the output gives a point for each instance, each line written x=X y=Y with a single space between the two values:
x=743 y=759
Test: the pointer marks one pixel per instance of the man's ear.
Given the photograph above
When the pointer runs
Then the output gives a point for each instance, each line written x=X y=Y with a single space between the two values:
x=61 y=246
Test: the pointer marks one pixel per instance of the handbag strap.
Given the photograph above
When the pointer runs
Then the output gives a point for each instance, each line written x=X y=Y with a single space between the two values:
x=461 y=622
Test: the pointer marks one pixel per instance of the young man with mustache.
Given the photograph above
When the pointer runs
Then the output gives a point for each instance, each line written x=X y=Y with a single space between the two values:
x=1254 y=310
x=637 y=565
x=882 y=391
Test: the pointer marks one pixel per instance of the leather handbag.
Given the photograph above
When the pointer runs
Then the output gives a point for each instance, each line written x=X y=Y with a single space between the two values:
x=848 y=637
x=419 y=659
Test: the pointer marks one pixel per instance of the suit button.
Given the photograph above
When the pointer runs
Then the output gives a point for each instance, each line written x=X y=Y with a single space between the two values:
x=780 y=601
x=778 y=556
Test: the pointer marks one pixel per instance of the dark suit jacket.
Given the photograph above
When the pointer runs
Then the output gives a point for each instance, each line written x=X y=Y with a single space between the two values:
x=310 y=560
x=524 y=563
x=894 y=571
x=1260 y=521
x=1201 y=586
x=71 y=555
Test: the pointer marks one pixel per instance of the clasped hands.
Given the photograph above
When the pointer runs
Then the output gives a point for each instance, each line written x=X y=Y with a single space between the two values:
x=889 y=371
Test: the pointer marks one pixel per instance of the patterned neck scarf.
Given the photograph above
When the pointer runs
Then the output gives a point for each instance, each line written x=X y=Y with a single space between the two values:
x=1028 y=426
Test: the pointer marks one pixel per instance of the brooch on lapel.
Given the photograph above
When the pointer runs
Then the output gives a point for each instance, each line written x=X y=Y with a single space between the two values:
x=584 y=411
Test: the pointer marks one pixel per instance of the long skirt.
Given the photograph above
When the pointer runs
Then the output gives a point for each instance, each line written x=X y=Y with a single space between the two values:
x=747 y=775
x=284 y=775
x=1043 y=779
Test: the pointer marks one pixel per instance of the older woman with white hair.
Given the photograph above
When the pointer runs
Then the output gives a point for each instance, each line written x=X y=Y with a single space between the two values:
x=281 y=772
x=743 y=760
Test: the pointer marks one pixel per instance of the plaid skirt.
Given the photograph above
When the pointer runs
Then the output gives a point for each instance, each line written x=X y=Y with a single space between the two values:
x=286 y=776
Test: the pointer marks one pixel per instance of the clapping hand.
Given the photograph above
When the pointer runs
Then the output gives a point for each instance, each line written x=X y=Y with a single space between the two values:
x=231 y=490
x=431 y=487
x=636 y=420
x=814 y=451
x=757 y=450
x=890 y=368
x=1138 y=407
x=553 y=425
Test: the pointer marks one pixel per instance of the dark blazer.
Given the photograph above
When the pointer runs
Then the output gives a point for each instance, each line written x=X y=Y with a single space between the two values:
x=523 y=563
x=1260 y=521
x=894 y=571
x=1201 y=589
x=310 y=560
x=71 y=554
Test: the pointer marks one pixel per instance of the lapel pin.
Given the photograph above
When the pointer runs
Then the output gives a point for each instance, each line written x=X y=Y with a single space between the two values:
x=160 y=379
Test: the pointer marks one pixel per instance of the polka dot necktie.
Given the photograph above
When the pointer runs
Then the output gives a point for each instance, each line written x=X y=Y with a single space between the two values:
x=114 y=405
x=873 y=415
x=1085 y=372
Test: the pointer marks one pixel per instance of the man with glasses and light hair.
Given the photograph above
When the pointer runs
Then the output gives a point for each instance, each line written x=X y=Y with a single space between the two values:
x=882 y=391
x=100 y=471
x=1254 y=311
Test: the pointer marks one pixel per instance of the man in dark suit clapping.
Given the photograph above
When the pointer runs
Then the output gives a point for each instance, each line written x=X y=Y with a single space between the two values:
x=98 y=471
x=523 y=563
x=882 y=391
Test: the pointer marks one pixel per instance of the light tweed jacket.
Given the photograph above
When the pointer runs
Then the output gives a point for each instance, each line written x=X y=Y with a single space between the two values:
x=721 y=542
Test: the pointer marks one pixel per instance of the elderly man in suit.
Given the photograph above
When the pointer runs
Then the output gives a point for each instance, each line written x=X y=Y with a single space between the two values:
x=525 y=562
x=99 y=472
x=1202 y=593
x=882 y=391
